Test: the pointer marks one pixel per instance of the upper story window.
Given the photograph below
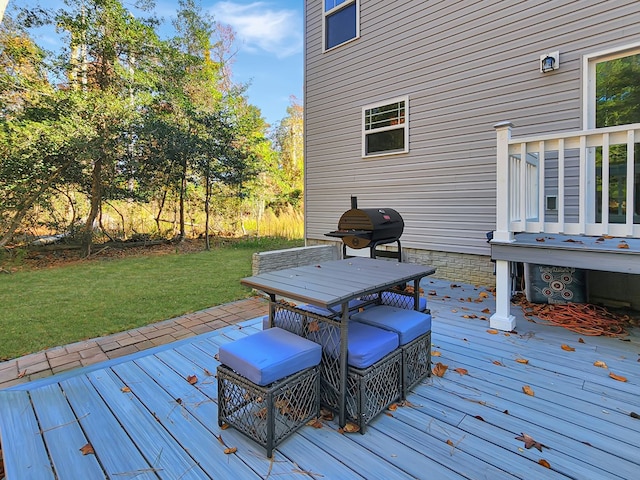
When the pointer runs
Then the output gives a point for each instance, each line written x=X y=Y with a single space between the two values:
x=341 y=22
x=385 y=128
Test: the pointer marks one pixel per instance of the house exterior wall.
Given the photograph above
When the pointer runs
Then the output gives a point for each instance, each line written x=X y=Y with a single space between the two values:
x=465 y=66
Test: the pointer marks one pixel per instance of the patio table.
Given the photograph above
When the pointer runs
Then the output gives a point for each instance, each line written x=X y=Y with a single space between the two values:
x=332 y=285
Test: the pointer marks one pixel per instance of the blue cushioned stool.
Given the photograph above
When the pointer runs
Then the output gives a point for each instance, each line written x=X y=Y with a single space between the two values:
x=374 y=361
x=268 y=385
x=414 y=333
x=373 y=374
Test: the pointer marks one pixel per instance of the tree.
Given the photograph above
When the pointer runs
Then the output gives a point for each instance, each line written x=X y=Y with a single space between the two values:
x=37 y=129
x=110 y=55
x=288 y=139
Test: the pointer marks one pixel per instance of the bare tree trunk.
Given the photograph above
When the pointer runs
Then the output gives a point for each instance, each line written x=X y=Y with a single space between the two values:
x=183 y=192
x=96 y=198
x=3 y=7
x=160 y=209
x=207 y=197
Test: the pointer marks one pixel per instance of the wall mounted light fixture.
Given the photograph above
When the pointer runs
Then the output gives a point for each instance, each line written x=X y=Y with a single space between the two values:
x=549 y=61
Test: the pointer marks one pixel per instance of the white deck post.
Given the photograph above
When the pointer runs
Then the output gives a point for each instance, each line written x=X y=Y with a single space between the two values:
x=502 y=319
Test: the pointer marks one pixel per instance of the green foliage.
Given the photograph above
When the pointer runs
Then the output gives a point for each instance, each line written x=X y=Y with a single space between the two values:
x=130 y=119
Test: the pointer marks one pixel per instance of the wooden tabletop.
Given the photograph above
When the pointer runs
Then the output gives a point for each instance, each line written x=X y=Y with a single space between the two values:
x=332 y=283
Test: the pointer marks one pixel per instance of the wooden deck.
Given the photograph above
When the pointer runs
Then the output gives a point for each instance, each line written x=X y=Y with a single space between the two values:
x=145 y=420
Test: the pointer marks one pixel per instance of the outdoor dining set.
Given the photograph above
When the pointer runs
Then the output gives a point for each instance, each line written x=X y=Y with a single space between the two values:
x=351 y=336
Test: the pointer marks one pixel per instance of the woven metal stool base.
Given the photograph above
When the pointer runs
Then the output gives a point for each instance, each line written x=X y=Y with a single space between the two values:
x=416 y=362
x=268 y=414
x=369 y=390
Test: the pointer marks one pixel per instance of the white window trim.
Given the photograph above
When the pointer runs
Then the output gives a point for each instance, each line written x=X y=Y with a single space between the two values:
x=405 y=125
x=324 y=23
x=589 y=62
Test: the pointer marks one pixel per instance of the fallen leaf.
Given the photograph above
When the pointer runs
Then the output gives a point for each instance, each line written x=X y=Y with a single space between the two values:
x=540 y=239
x=314 y=327
x=522 y=360
x=483 y=295
x=600 y=363
x=454 y=310
x=530 y=442
x=351 y=428
x=479 y=418
x=393 y=407
x=580 y=340
x=224 y=426
x=461 y=371
x=192 y=379
x=544 y=463
x=623 y=244
x=125 y=389
x=230 y=450
x=179 y=401
x=506 y=412
x=634 y=415
x=482 y=317
x=315 y=423
x=528 y=390
x=22 y=373
x=435 y=353
x=326 y=414
x=619 y=378
x=207 y=373
x=440 y=369
x=492 y=331
x=87 y=449
x=498 y=362
x=486 y=310
x=450 y=443
x=567 y=348
x=432 y=292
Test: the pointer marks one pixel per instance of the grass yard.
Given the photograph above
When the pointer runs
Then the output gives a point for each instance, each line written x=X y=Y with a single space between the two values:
x=45 y=308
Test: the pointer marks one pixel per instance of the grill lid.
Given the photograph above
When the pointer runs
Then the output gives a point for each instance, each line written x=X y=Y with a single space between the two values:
x=358 y=227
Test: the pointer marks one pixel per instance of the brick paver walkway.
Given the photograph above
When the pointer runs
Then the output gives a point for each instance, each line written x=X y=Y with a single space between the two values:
x=81 y=354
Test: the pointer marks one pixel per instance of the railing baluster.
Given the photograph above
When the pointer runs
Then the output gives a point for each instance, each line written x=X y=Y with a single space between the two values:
x=541 y=186
x=605 y=184
x=582 y=186
x=561 y=185
x=630 y=181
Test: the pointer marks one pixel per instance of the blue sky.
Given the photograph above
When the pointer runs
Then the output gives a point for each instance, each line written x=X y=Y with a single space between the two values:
x=269 y=36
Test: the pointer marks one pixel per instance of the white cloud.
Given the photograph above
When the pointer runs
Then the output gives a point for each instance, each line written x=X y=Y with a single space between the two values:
x=261 y=27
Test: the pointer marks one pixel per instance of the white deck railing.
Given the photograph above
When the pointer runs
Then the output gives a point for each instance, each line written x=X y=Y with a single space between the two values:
x=563 y=165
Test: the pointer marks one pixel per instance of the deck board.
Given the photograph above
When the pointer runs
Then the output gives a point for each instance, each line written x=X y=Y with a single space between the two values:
x=61 y=432
x=24 y=452
x=578 y=412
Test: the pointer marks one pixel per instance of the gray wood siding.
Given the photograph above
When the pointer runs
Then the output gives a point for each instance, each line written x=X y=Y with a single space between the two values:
x=465 y=65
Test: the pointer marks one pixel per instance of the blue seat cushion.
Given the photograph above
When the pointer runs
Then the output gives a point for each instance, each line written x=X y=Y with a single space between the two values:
x=270 y=355
x=408 y=324
x=366 y=344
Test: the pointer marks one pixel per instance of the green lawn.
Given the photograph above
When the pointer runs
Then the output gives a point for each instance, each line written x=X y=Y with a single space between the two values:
x=45 y=308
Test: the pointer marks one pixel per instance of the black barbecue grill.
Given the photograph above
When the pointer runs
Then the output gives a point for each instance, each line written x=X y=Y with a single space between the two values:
x=370 y=227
